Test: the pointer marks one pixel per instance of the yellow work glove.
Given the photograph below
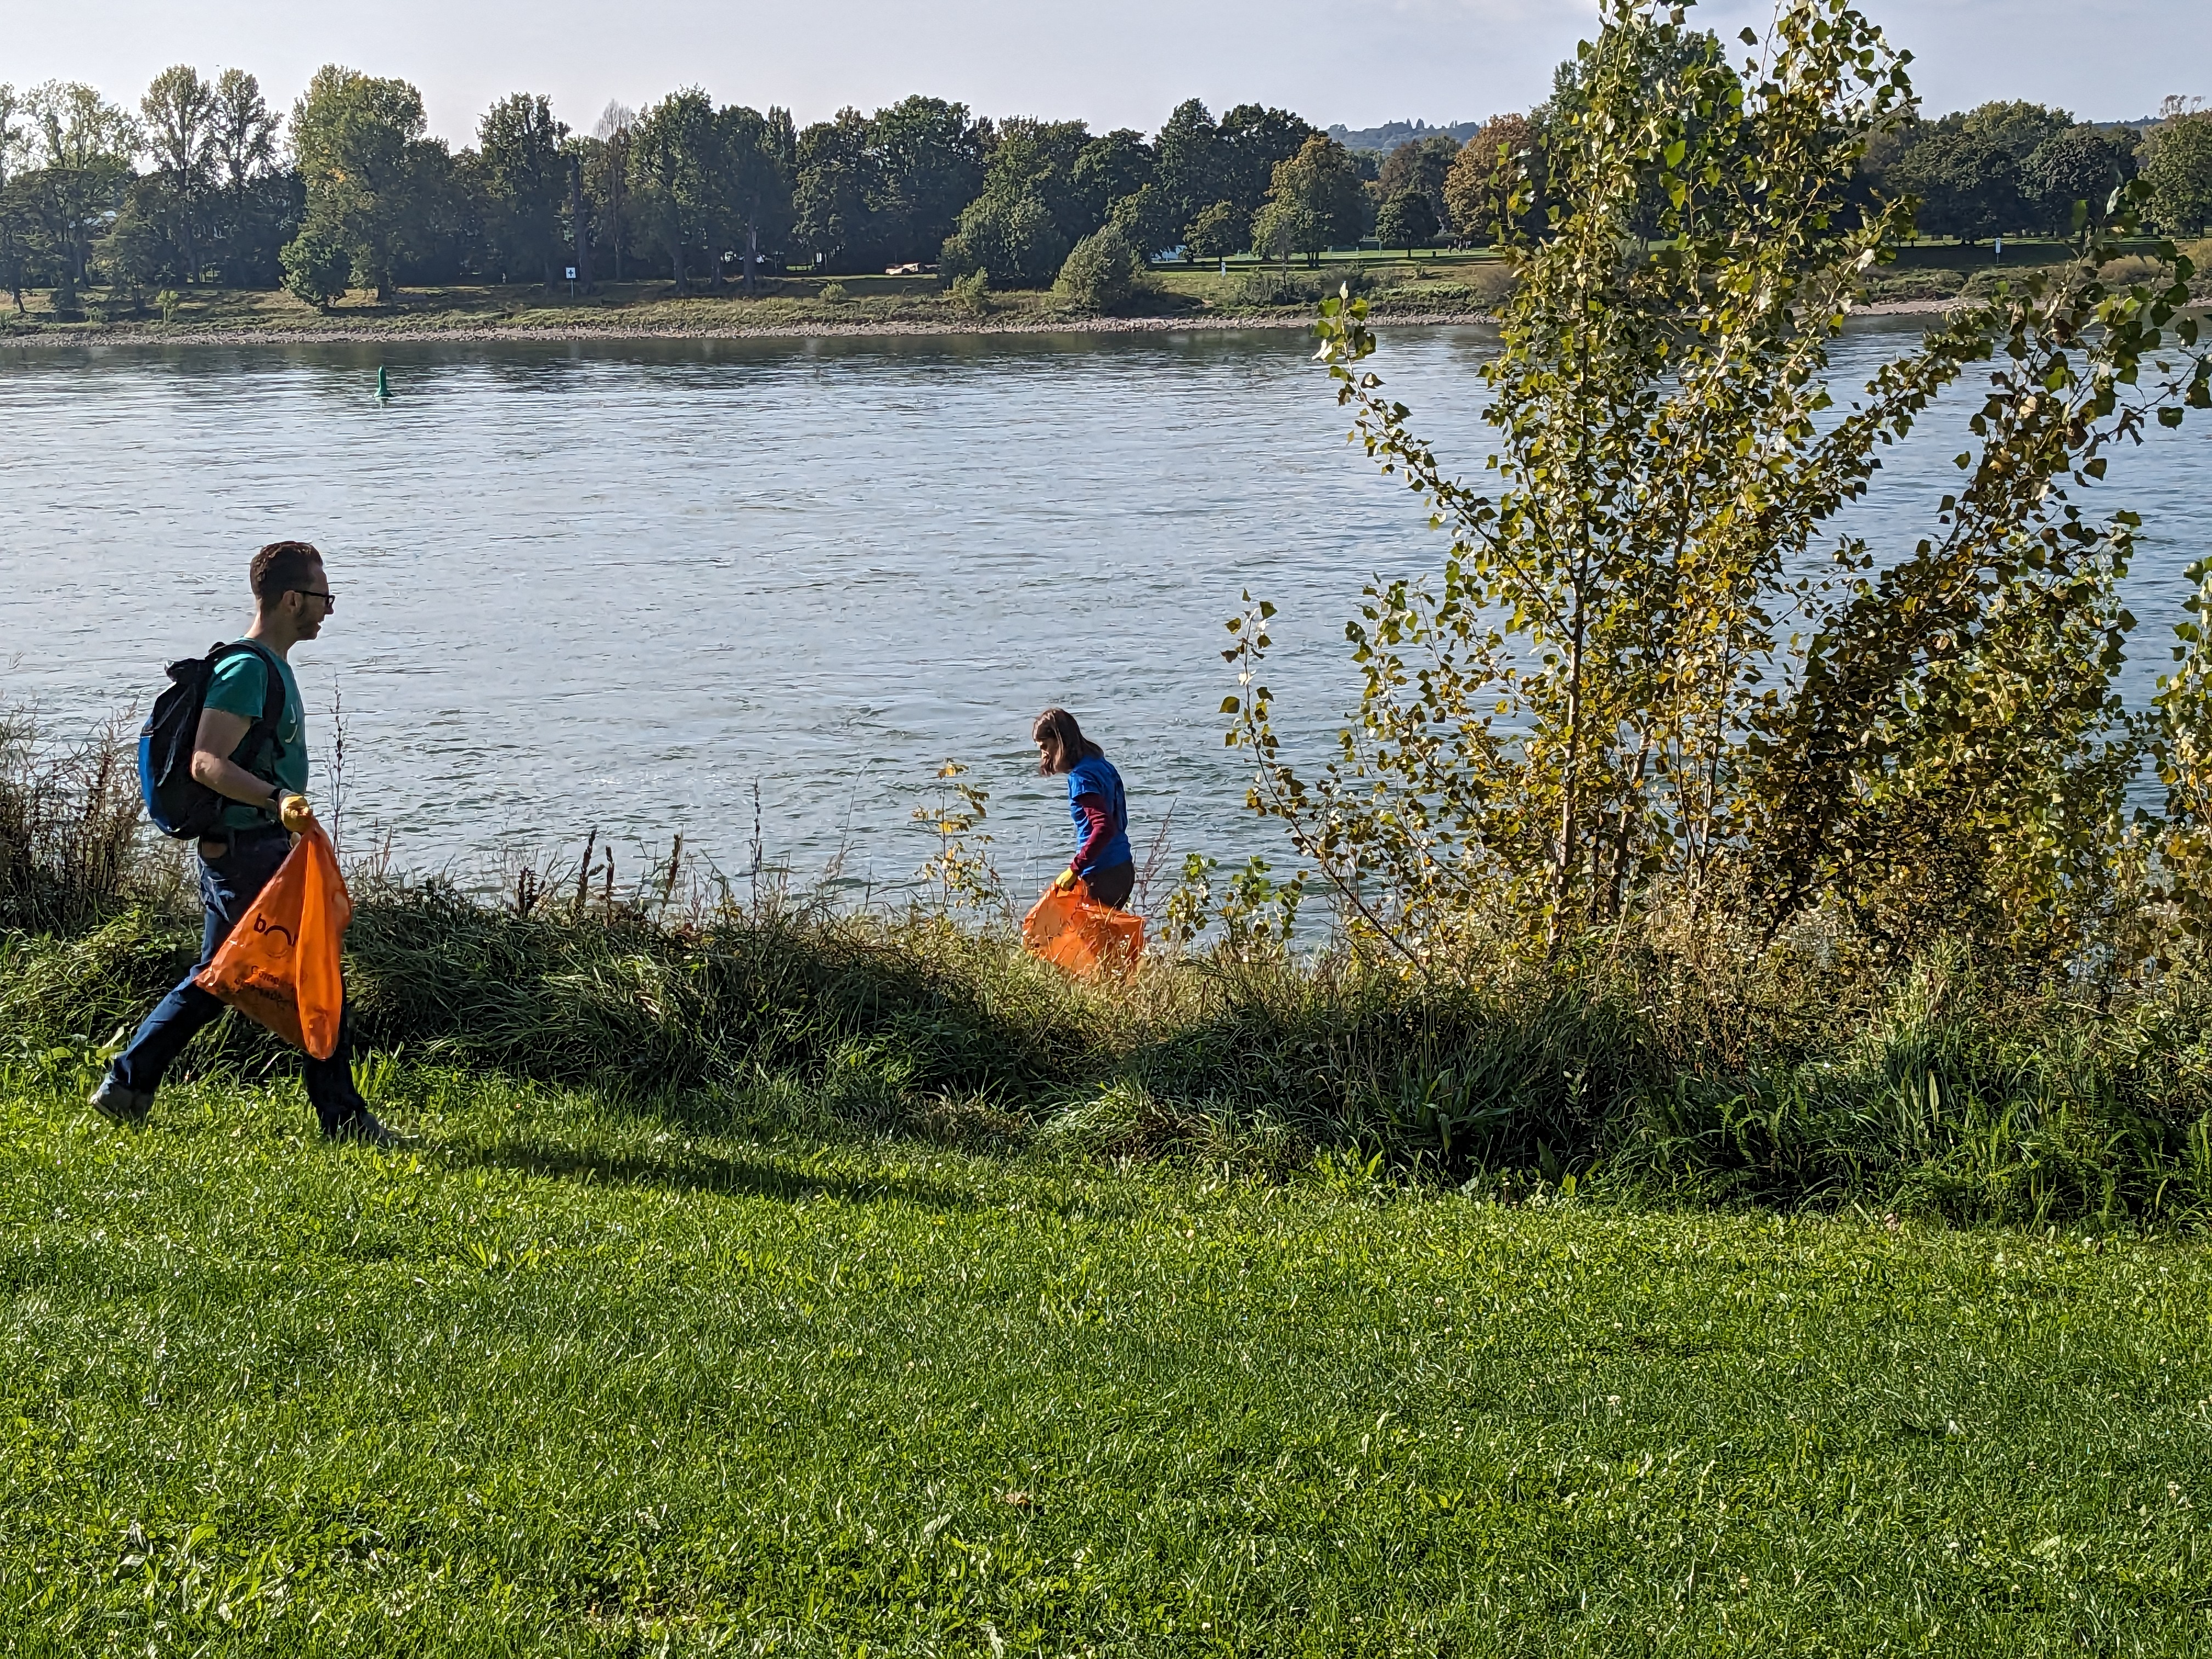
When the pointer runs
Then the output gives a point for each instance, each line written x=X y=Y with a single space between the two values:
x=1064 y=881
x=295 y=814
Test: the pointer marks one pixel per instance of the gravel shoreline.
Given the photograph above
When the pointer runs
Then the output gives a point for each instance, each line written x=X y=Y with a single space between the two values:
x=127 y=334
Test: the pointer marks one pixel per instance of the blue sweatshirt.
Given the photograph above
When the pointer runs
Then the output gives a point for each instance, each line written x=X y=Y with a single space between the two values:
x=1097 y=776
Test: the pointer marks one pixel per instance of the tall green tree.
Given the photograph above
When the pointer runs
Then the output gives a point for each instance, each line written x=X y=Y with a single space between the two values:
x=1968 y=186
x=525 y=177
x=606 y=157
x=835 y=192
x=1620 y=694
x=2083 y=164
x=1316 y=201
x=676 y=174
x=1422 y=165
x=375 y=184
x=2177 y=165
x=927 y=159
x=757 y=153
x=1040 y=158
x=1189 y=169
x=1407 y=221
x=82 y=147
x=1253 y=140
x=259 y=200
x=179 y=127
x=17 y=221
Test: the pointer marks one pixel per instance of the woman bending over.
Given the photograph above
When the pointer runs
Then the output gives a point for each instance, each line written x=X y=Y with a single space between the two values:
x=1103 y=860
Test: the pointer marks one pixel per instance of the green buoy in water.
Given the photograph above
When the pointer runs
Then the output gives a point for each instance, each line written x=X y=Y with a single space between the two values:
x=383 y=385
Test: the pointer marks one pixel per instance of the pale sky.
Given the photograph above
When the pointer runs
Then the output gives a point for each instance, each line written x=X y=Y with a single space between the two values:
x=1115 y=64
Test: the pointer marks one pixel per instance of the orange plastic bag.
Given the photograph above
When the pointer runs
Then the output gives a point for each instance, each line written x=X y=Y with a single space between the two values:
x=280 y=965
x=1073 y=930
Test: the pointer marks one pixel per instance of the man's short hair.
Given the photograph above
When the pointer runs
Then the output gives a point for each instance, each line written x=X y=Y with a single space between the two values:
x=280 y=566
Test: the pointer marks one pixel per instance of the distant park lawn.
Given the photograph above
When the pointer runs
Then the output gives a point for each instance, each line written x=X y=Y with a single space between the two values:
x=579 y=1377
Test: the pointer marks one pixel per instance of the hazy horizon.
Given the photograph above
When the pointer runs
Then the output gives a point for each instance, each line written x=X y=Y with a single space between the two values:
x=1440 y=61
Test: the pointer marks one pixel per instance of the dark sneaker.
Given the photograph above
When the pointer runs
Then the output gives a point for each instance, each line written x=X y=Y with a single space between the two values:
x=117 y=1104
x=363 y=1127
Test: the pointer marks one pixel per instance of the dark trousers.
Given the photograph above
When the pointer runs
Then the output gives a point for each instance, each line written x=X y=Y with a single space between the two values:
x=228 y=886
x=1113 y=887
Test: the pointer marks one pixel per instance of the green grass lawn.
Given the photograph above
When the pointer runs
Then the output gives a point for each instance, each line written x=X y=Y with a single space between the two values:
x=572 y=1378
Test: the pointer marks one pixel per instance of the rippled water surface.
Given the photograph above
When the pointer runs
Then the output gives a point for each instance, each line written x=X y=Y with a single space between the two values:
x=617 y=585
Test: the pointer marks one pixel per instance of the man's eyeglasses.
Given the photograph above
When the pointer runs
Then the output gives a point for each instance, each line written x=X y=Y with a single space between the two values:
x=330 y=600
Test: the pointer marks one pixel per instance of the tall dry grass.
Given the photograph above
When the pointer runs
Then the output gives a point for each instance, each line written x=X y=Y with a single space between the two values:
x=72 y=848
x=1661 y=1060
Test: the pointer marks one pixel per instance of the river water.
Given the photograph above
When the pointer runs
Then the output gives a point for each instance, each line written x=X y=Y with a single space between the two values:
x=620 y=586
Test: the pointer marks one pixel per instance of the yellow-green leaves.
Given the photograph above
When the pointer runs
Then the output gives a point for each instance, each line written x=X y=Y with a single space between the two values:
x=1588 y=708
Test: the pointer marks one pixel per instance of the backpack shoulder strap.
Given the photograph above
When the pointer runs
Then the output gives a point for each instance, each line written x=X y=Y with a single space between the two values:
x=263 y=730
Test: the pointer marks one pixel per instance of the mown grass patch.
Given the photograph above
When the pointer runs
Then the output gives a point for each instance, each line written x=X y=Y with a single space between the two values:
x=583 y=1376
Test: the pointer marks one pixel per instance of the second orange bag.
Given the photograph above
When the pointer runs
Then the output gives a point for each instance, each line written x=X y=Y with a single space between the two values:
x=280 y=964
x=1073 y=930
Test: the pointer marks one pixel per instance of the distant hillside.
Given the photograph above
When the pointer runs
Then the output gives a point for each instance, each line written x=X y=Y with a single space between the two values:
x=1391 y=134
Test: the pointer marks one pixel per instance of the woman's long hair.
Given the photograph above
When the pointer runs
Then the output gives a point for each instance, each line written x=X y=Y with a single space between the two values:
x=1066 y=737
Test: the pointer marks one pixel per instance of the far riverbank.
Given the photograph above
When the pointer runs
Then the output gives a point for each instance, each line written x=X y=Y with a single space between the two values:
x=811 y=328
x=472 y=330
x=1424 y=293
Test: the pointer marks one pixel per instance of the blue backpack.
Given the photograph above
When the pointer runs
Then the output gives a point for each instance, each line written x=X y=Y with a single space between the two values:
x=178 y=804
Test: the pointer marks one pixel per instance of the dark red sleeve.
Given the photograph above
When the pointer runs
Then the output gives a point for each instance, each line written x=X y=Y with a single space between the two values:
x=1098 y=827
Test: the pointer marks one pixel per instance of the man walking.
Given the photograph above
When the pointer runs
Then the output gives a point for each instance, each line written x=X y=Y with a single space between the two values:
x=262 y=793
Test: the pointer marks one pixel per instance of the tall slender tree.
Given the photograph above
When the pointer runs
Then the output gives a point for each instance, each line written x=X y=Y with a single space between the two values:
x=675 y=173
x=755 y=182
x=1189 y=169
x=14 y=218
x=179 y=112
x=607 y=176
x=836 y=185
x=242 y=149
x=525 y=180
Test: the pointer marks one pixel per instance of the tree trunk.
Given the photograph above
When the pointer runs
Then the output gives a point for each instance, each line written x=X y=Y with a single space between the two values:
x=614 y=201
x=581 y=230
x=752 y=248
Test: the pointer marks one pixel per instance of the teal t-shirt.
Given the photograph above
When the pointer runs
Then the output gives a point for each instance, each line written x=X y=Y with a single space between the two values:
x=239 y=685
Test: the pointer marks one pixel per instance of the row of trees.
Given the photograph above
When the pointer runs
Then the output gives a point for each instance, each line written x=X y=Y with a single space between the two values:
x=203 y=181
x=2003 y=168
x=2011 y=166
x=215 y=195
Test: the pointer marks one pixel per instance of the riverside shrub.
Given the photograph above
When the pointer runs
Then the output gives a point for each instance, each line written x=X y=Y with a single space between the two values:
x=1102 y=273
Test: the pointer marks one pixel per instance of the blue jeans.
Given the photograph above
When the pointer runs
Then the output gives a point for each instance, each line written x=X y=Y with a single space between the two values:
x=228 y=886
